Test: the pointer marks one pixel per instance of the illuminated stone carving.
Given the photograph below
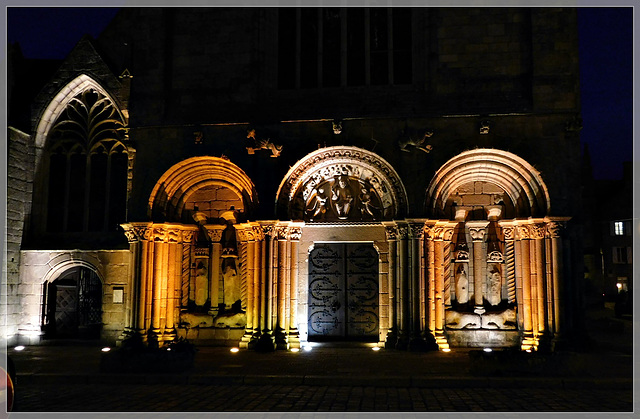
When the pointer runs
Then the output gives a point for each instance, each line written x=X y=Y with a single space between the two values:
x=416 y=143
x=462 y=285
x=262 y=144
x=494 y=285
x=522 y=184
x=341 y=183
x=202 y=283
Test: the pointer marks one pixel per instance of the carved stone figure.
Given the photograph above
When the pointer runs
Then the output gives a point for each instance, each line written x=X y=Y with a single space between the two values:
x=462 y=286
x=367 y=209
x=229 y=241
x=494 y=285
x=342 y=197
x=316 y=204
x=231 y=283
x=202 y=282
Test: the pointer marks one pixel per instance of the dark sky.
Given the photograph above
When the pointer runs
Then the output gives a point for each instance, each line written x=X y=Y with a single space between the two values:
x=606 y=60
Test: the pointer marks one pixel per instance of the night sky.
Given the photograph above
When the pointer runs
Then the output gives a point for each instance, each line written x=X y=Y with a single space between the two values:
x=606 y=59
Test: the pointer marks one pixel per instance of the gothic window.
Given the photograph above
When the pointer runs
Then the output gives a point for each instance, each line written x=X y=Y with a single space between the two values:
x=333 y=47
x=88 y=164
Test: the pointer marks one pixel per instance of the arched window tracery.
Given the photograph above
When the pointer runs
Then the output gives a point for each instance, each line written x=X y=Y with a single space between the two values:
x=88 y=166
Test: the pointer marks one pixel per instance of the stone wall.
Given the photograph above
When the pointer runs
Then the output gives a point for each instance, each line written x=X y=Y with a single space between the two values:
x=39 y=266
x=19 y=190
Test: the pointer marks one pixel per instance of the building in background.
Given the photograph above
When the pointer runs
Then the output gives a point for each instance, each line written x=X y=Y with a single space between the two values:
x=267 y=177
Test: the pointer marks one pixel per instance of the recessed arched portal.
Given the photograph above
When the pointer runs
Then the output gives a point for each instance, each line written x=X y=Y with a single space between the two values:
x=341 y=183
x=206 y=184
x=493 y=174
x=492 y=250
x=73 y=302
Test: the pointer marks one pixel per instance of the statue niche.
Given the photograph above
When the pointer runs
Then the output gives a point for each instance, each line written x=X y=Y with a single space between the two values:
x=343 y=198
x=496 y=312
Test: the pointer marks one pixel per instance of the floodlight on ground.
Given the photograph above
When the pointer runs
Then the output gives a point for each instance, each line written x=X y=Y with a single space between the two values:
x=234 y=350
x=105 y=349
x=446 y=350
x=295 y=349
x=307 y=348
x=376 y=348
x=488 y=350
x=19 y=348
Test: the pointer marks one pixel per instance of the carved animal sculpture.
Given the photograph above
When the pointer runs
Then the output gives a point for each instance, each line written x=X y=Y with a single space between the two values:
x=456 y=320
x=234 y=320
x=503 y=321
x=263 y=144
x=419 y=143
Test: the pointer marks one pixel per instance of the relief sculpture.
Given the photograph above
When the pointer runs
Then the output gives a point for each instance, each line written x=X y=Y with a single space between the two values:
x=342 y=197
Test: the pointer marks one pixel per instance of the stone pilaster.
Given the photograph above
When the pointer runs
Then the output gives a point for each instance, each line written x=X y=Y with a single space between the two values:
x=391 y=232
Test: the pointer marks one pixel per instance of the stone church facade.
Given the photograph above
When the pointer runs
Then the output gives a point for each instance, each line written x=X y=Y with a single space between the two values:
x=265 y=177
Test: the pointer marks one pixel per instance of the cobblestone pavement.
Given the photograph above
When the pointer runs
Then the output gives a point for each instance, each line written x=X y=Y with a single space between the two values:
x=279 y=398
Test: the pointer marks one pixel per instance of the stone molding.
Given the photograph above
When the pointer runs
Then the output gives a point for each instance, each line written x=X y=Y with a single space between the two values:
x=328 y=162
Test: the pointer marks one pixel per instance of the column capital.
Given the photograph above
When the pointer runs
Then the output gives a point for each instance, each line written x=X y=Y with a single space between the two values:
x=390 y=230
x=214 y=231
x=477 y=229
x=294 y=232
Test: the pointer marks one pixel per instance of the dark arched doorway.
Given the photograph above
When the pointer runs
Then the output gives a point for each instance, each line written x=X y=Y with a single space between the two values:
x=73 y=305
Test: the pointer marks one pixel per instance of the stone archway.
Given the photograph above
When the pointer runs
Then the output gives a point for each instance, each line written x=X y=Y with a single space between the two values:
x=213 y=182
x=493 y=253
x=73 y=302
x=510 y=177
x=341 y=183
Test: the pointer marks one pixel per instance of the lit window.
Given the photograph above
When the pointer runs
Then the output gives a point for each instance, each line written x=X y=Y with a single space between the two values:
x=618 y=228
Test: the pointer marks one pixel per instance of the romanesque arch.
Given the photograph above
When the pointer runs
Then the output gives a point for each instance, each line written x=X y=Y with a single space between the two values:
x=341 y=183
x=512 y=178
x=206 y=176
x=494 y=253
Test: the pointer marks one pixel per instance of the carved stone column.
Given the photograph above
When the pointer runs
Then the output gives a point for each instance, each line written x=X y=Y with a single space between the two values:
x=266 y=343
x=510 y=259
x=134 y=234
x=247 y=255
x=295 y=233
x=258 y=237
x=403 y=288
x=416 y=283
x=392 y=334
x=555 y=230
x=280 y=332
x=146 y=281
x=174 y=253
x=443 y=234
x=430 y=236
x=477 y=229
x=215 y=236
x=538 y=232
x=523 y=242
